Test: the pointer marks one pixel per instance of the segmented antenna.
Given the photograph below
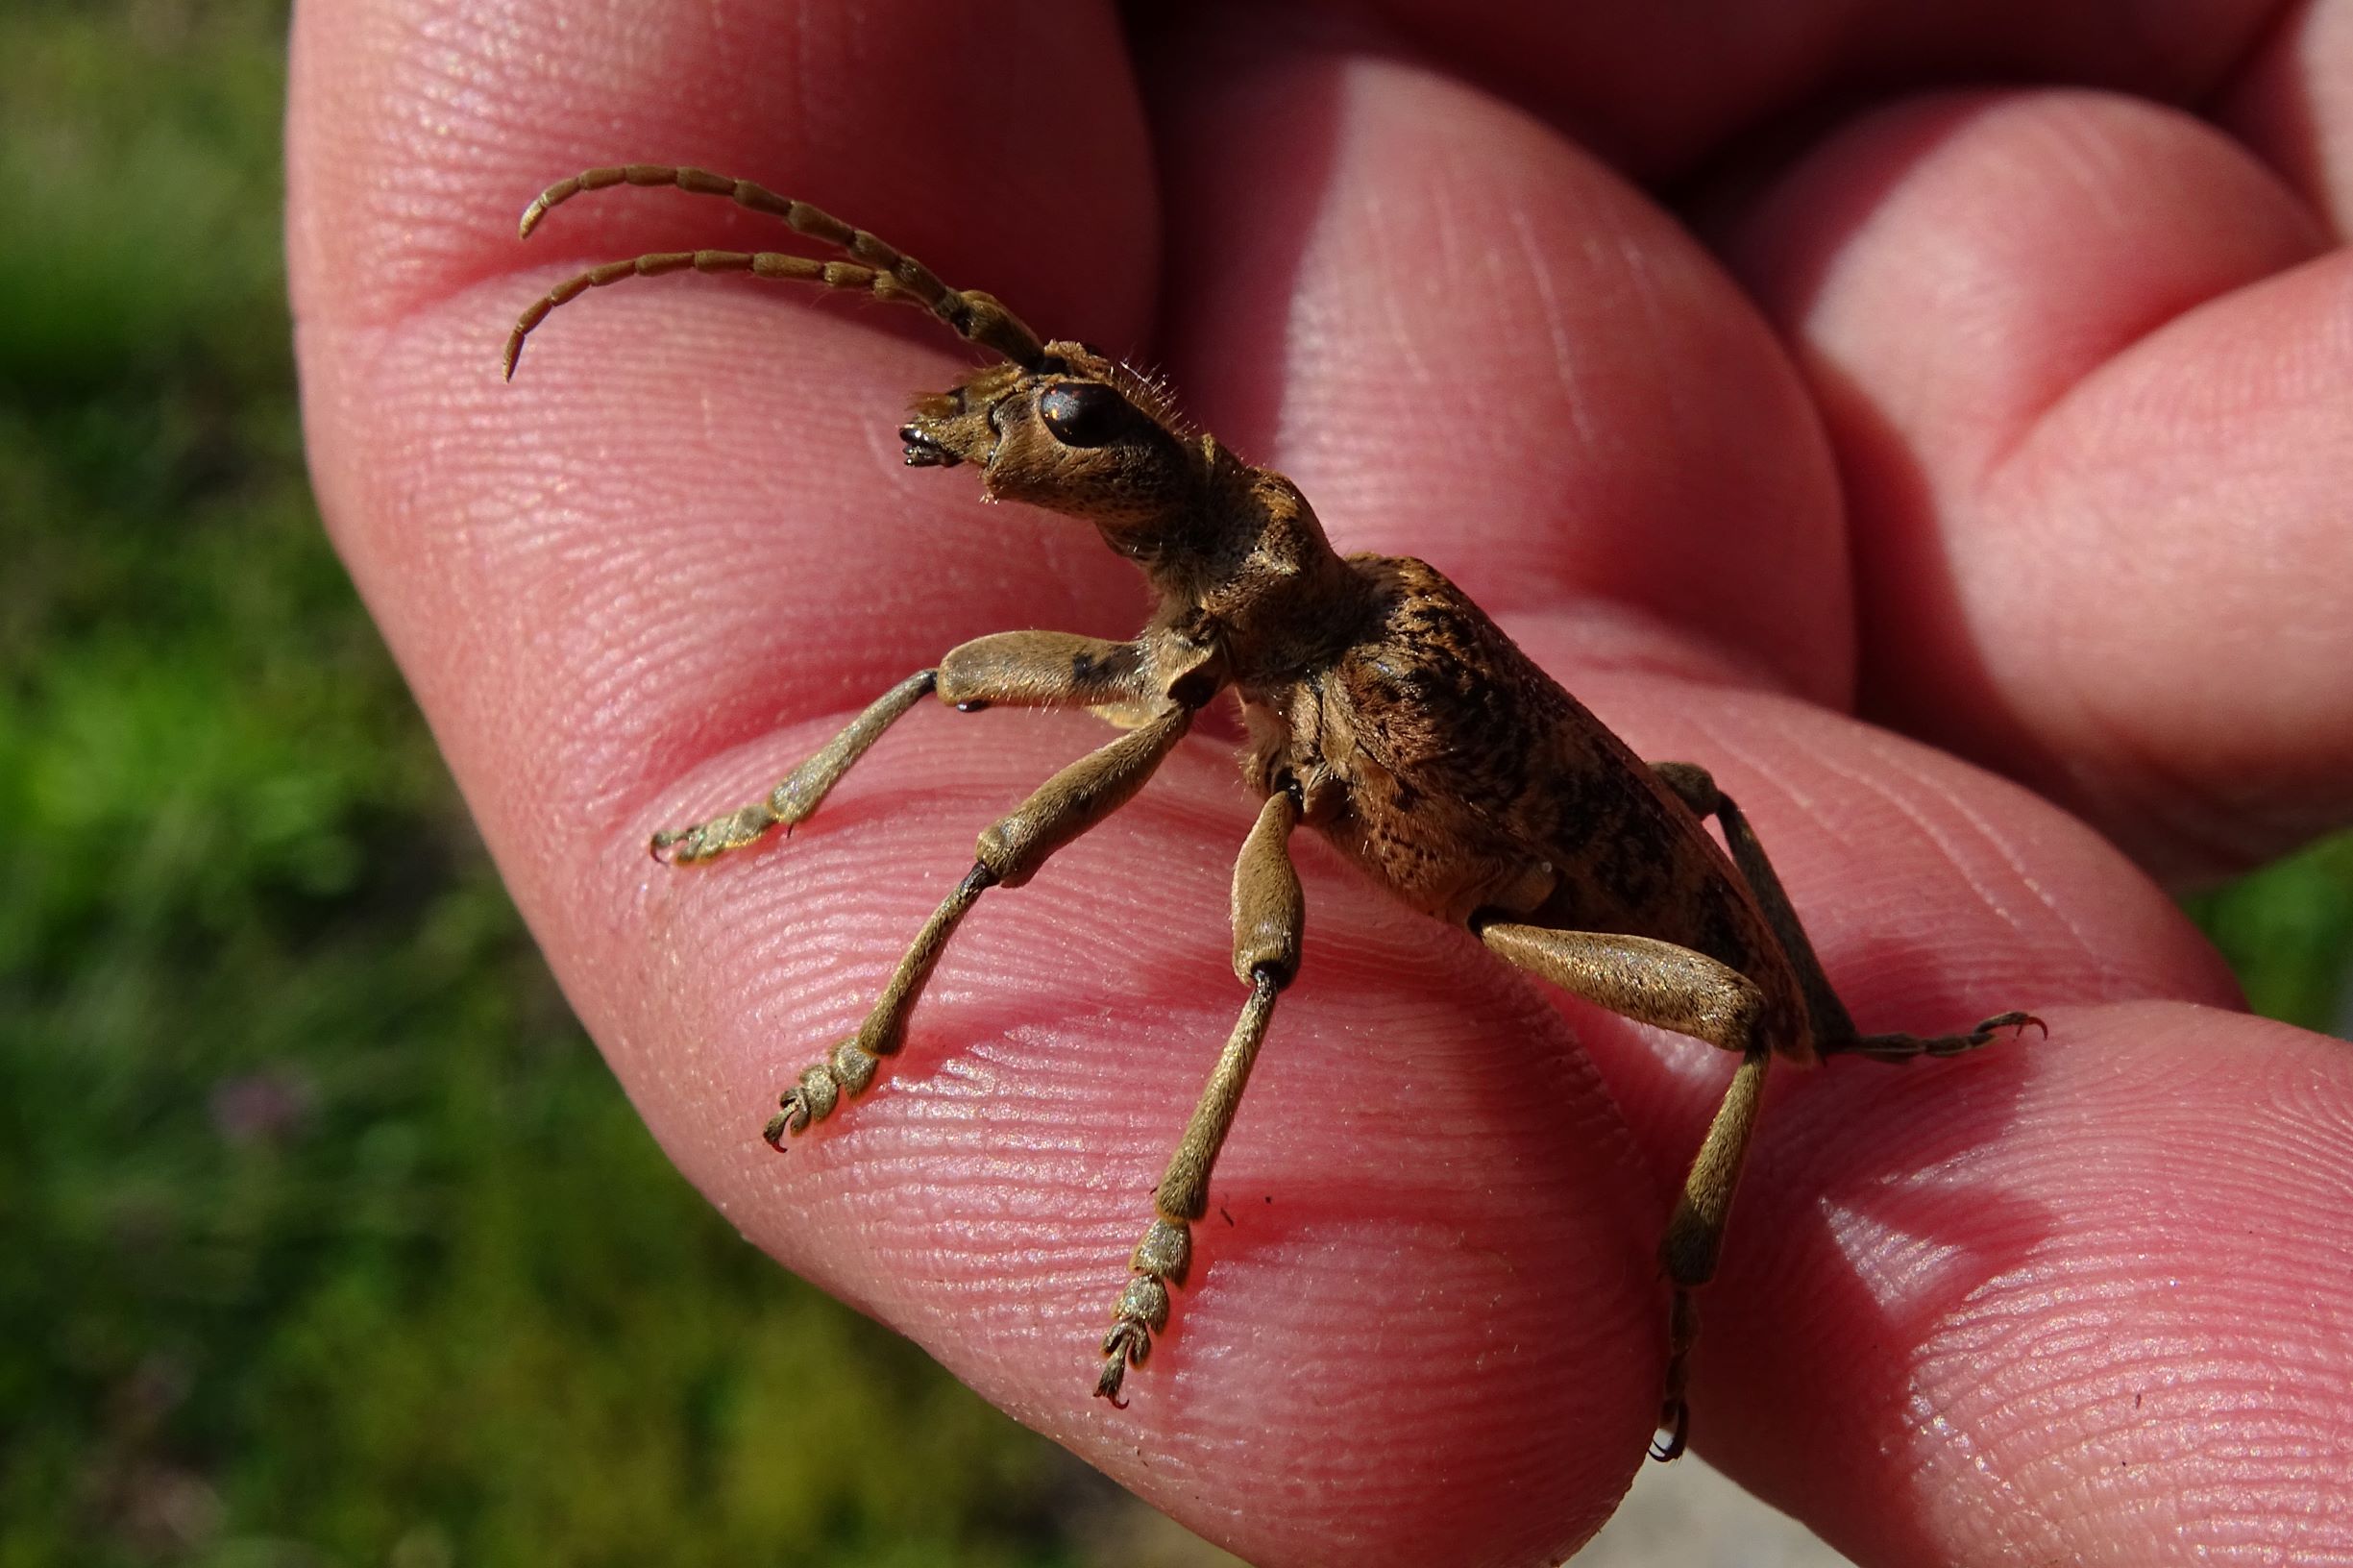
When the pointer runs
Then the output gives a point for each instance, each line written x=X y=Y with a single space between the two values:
x=874 y=267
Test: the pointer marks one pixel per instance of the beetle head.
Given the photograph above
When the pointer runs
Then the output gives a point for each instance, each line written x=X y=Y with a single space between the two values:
x=1072 y=431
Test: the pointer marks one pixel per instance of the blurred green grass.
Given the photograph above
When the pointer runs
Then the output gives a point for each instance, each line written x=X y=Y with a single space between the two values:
x=324 y=1236
x=2287 y=931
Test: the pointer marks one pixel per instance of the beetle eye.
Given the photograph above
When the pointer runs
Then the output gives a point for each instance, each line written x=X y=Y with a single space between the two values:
x=1083 y=413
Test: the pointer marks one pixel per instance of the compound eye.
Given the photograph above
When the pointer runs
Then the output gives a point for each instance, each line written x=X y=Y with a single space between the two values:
x=1083 y=413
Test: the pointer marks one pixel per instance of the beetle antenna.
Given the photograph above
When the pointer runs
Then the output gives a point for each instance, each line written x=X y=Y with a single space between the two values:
x=875 y=268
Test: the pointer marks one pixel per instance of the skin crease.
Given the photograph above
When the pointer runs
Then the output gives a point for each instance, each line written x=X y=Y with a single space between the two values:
x=2079 y=1301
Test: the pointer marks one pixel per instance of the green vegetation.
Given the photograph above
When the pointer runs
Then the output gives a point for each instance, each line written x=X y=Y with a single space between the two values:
x=2289 y=932
x=326 y=1237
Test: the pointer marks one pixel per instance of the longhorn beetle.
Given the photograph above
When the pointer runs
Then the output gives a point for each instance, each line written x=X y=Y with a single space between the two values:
x=1385 y=710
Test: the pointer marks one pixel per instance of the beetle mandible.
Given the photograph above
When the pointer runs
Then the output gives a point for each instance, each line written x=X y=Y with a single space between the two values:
x=1385 y=709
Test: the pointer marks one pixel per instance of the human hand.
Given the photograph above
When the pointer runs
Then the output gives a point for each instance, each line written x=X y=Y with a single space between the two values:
x=2080 y=1300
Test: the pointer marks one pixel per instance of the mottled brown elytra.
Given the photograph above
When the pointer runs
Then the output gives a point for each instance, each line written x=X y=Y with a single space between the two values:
x=1385 y=710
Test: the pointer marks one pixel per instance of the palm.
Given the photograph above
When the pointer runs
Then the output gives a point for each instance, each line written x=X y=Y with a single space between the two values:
x=1986 y=1309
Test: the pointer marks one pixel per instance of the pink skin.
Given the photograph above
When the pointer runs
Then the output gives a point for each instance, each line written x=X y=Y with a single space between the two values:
x=2075 y=363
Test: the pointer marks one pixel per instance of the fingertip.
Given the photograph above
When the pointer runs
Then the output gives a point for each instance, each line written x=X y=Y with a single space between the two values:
x=1435 y=1225
x=2067 y=346
x=1470 y=342
x=2097 y=1276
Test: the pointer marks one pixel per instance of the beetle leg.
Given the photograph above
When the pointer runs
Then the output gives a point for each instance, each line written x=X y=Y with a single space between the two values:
x=1673 y=988
x=1269 y=914
x=1010 y=852
x=798 y=793
x=1834 y=1031
x=1697 y=789
x=1901 y=1047
x=1014 y=669
x=1043 y=669
x=1695 y=1236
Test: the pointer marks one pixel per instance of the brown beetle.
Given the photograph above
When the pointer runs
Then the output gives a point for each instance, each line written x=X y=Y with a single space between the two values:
x=1385 y=710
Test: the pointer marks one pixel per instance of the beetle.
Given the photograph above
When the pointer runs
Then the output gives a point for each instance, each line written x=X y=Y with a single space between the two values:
x=1384 y=709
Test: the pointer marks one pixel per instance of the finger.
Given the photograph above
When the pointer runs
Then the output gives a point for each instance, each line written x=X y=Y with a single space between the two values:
x=1659 y=89
x=1426 y=1224
x=1434 y=1224
x=2078 y=355
x=1470 y=342
x=452 y=117
x=1434 y=1227
x=2293 y=105
x=2074 y=1299
x=2108 y=1278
